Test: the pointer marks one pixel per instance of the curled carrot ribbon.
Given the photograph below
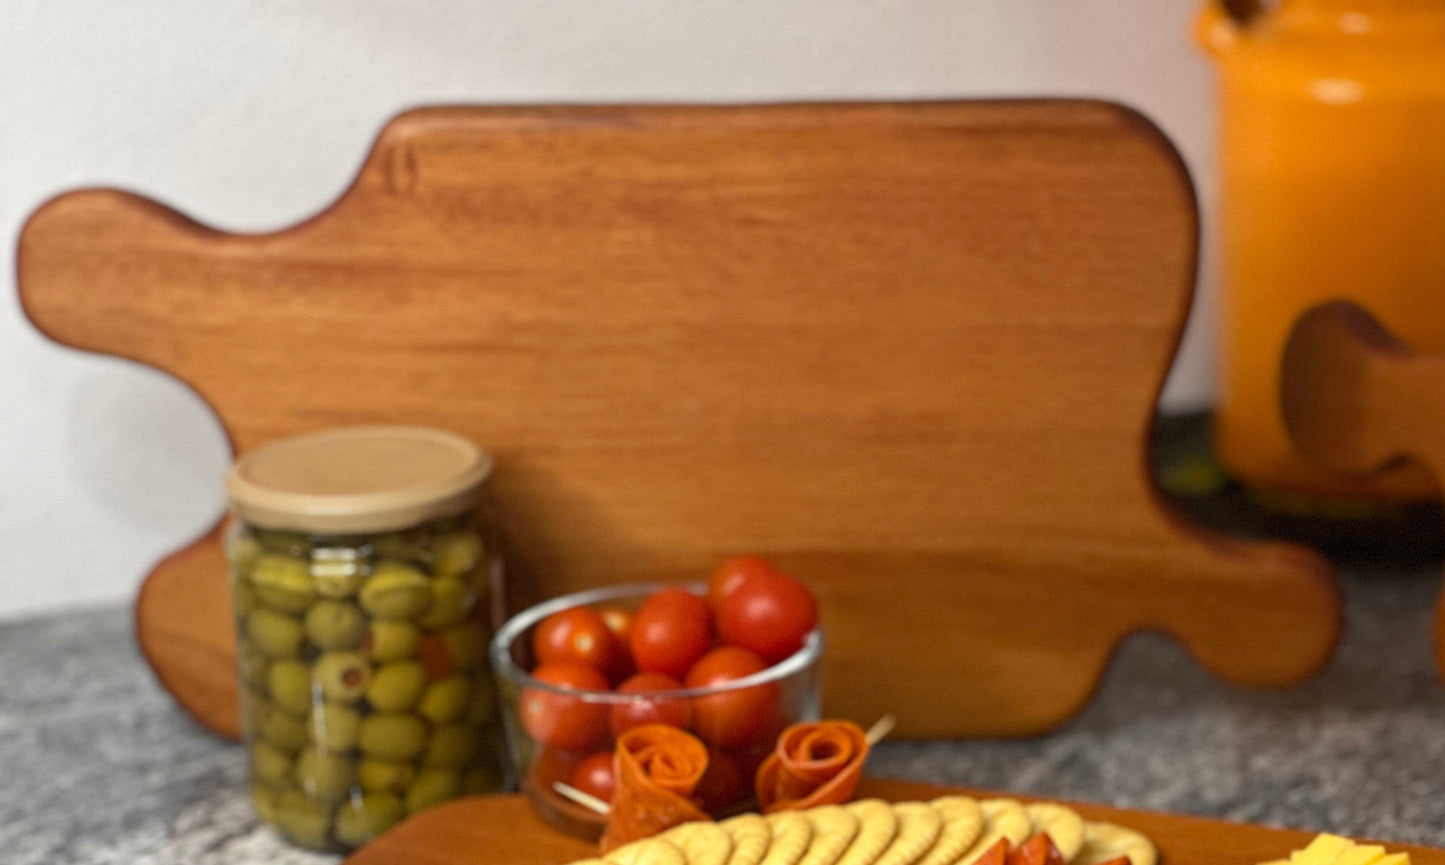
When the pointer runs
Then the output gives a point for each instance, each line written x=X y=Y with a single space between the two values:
x=658 y=768
x=814 y=763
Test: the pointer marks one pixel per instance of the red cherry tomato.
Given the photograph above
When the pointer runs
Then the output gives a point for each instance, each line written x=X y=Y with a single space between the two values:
x=721 y=785
x=672 y=630
x=770 y=614
x=549 y=765
x=733 y=718
x=579 y=635
x=733 y=573
x=560 y=720
x=619 y=622
x=634 y=713
x=594 y=775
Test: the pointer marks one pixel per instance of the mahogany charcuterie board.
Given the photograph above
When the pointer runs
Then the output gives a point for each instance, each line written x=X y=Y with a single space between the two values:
x=909 y=351
x=503 y=830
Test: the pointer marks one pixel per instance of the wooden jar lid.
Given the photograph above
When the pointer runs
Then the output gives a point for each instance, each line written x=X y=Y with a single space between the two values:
x=357 y=479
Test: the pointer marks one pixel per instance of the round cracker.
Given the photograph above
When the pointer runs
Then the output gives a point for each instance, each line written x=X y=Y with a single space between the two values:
x=962 y=824
x=1002 y=818
x=877 y=826
x=834 y=828
x=751 y=835
x=1064 y=826
x=646 y=851
x=918 y=829
x=1105 y=841
x=792 y=833
x=702 y=842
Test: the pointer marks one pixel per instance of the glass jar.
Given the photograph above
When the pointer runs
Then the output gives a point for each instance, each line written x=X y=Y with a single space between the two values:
x=364 y=585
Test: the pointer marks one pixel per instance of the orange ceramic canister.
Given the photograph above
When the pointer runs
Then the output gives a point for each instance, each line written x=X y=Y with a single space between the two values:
x=1332 y=169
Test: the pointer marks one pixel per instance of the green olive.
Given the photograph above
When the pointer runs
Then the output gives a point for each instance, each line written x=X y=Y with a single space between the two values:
x=302 y=820
x=486 y=778
x=342 y=675
x=432 y=787
x=391 y=776
x=253 y=665
x=242 y=550
x=276 y=635
x=455 y=554
x=467 y=645
x=324 y=777
x=338 y=572
x=334 y=727
x=283 y=582
x=293 y=544
x=263 y=799
x=452 y=747
x=397 y=686
x=482 y=710
x=405 y=546
x=451 y=601
x=396 y=591
x=280 y=729
x=270 y=765
x=392 y=736
x=366 y=816
x=390 y=641
x=289 y=684
x=334 y=624
x=243 y=599
x=444 y=701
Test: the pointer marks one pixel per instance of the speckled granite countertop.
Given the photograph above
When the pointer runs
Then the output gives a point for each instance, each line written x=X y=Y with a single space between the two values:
x=100 y=767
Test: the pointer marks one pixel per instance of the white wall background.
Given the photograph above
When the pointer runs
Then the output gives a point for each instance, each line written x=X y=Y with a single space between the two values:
x=253 y=114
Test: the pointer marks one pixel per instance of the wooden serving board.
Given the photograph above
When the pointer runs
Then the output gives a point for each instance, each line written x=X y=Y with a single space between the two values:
x=503 y=830
x=911 y=352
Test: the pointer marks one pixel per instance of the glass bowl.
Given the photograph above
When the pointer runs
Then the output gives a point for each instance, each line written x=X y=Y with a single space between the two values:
x=783 y=694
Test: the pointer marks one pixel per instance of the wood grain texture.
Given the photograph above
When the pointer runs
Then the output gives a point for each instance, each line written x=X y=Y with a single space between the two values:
x=910 y=351
x=1357 y=399
x=502 y=830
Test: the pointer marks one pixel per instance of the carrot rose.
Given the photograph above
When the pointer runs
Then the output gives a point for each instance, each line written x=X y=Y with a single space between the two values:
x=814 y=763
x=658 y=768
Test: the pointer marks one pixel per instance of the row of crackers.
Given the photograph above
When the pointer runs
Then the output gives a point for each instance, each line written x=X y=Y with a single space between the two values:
x=949 y=830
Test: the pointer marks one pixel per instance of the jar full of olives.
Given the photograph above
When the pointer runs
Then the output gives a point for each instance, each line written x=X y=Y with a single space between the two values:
x=364 y=583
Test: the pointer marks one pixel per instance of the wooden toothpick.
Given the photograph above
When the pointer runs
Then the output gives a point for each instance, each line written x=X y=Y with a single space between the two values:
x=881 y=728
x=586 y=800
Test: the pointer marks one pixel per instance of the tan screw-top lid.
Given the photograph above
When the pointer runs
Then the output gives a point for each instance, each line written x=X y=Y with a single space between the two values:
x=357 y=479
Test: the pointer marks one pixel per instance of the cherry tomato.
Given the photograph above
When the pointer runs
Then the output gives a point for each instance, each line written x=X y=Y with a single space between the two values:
x=559 y=720
x=721 y=785
x=579 y=635
x=771 y=614
x=737 y=717
x=594 y=775
x=619 y=622
x=733 y=573
x=549 y=765
x=633 y=713
x=672 y=630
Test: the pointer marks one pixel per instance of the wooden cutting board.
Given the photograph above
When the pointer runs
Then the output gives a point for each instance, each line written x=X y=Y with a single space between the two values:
x=909 y=351
x=502 y=830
